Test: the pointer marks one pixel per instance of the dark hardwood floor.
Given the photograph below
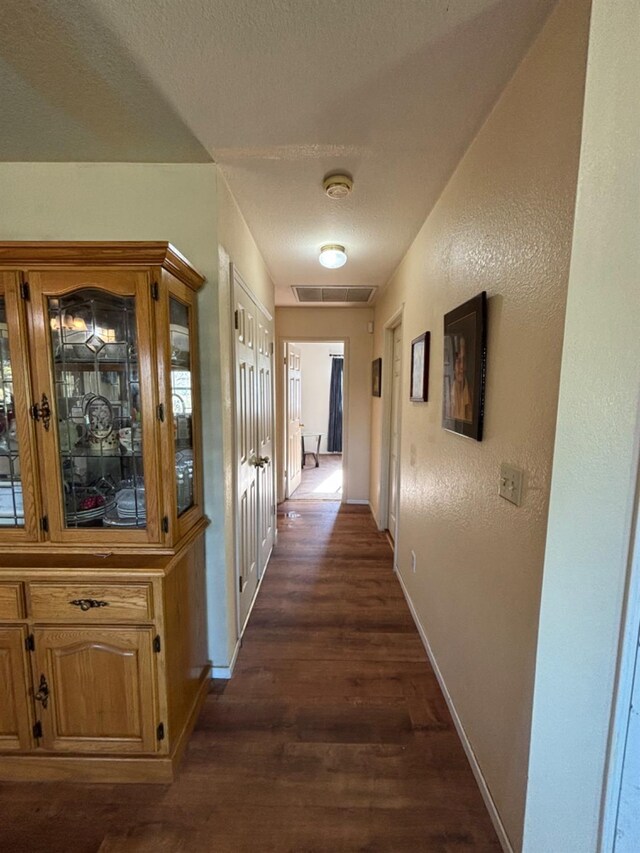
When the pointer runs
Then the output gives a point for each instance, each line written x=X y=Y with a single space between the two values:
x=332 y=735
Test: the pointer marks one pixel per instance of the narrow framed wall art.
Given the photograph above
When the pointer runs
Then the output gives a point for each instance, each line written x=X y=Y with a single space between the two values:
x=464 y=373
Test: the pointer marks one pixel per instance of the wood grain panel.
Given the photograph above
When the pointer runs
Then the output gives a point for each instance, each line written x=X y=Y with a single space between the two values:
x=15 y=713
x=11 y=601
x=131 y=602
x=102 y=691
x=132 y=254
x=185 y=652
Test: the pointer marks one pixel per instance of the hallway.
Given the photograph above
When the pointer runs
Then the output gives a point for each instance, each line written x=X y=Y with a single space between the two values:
x=332 y=735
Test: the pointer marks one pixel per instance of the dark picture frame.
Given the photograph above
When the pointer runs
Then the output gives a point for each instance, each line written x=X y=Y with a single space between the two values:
x=420 y=346
x=464 y=368
x=376 y=377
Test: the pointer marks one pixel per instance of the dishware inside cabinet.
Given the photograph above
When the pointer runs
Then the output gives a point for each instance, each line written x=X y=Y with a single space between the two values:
x=99 y=412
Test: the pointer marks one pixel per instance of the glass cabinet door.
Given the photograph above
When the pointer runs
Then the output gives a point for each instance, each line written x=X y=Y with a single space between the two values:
x=19 y=501
x=102 y=395
x=97 y=388
x=181 y=379
x=11 y=496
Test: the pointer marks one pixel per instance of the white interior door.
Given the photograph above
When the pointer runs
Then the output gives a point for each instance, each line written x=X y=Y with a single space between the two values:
x=294 y=414
x=247 y=451
x=394 y=444
x=265 y=419
x=255 y=511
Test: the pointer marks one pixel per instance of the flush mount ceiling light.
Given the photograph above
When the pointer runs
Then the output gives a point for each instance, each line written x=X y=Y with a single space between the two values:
x=338 y=186
x=332 y=256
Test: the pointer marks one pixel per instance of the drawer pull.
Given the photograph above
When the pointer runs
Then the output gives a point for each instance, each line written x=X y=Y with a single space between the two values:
x=43 y=692
x=87 y=603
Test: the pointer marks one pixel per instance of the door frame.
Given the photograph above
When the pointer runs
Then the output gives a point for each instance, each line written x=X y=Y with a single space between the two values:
x=628 y=652
x=395 y=320
x=282 y=341
x=236 y=277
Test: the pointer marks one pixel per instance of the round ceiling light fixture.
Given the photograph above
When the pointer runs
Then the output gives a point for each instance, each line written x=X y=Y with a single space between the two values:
x=332 y=256
x=338 y=186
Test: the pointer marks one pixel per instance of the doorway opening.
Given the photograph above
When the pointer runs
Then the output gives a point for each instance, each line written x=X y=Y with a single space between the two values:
x=315 y=402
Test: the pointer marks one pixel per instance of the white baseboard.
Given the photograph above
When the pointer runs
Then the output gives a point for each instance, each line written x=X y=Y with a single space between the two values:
x=226 y=671
x=466 y=744
x=357 y=502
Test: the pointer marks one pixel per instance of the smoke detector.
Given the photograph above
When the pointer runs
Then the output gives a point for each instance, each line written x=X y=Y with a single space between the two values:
x=337 y=186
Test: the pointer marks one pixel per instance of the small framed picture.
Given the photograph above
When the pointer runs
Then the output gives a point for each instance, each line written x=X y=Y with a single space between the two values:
x=420 y=368
x=465 y=357
x=376 y=377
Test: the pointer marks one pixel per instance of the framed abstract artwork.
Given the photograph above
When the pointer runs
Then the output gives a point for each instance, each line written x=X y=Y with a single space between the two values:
x=419 y=392
x=465 y=357
x=376 y=377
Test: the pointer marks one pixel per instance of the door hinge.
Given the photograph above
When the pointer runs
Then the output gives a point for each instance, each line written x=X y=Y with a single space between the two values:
x=165 y=523
x=155 y=293
x=273 y=509
x=37 y=730
x=157 y=645
x=160 y=412
x=240 y=583
x=271 y=348
x=236 y=316
x=160 y=732
x=25 y=291
x=44 y=524
x=30 y=643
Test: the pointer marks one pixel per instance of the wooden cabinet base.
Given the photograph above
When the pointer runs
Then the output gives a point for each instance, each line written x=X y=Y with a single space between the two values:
x=46 y=767
x=106 y=667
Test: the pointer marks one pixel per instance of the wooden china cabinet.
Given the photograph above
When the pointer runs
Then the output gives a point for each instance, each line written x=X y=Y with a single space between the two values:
x=103 y=655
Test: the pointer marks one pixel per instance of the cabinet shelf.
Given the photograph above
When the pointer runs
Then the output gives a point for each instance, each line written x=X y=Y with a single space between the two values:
x=93 y=454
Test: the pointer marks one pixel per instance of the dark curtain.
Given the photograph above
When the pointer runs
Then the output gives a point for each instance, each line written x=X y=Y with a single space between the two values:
x=334 y=439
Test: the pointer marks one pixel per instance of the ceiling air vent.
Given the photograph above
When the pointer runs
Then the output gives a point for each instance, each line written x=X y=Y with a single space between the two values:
x=344 y=295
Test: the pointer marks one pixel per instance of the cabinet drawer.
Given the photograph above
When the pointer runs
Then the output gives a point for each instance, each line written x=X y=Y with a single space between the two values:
x=89 y=603
x=11 y=601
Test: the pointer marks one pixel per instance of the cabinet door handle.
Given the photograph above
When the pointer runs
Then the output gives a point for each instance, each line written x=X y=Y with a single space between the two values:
x=87 y=603
x=43 y=692
x=42 y=412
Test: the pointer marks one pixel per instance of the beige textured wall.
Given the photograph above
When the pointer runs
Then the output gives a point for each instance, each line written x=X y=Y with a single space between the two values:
x=350 y=324
x=121 y=201
x=503 y=224
x=595 y=484
x=238 y=243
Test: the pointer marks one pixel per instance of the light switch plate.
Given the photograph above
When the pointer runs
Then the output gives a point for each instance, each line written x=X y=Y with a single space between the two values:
x=510 y=486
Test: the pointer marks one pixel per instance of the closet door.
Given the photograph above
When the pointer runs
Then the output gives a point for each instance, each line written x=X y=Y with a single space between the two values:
x=265 y=422
x=255 y=511
x=93 y=337
x=247 y=451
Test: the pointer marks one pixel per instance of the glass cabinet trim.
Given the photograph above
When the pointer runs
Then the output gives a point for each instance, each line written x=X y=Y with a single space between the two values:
x=61 y=285
x=16 y=430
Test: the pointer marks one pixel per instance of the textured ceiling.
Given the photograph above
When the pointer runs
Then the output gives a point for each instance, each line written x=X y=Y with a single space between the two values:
x=278 y=92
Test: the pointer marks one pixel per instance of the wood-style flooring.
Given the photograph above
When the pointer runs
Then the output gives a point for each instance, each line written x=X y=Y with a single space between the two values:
x=323 y=482
x=332 y=735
